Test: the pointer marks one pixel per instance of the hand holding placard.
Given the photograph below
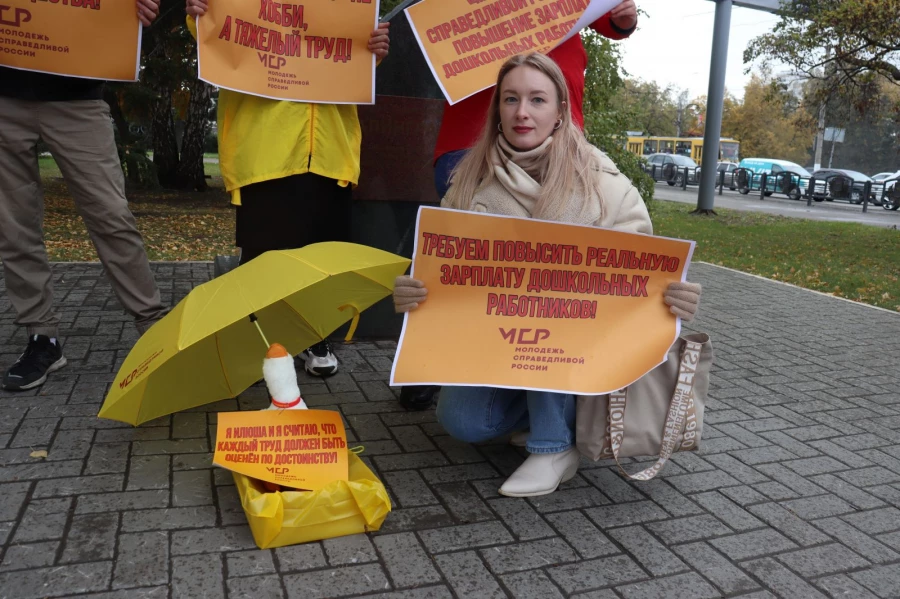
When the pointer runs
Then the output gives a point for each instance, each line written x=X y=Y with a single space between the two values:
x=317 y=51
x=528 y=304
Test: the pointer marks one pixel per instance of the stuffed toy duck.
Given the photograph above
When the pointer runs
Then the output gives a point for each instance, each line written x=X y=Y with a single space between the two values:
x=281 y=379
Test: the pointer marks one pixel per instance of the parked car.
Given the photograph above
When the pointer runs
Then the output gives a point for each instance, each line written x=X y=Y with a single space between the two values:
x=660 y=160
x=882 y=176
x=856 y=191
x=729 y=169
x=784 y=177
x=884 y=182
x=889 y=194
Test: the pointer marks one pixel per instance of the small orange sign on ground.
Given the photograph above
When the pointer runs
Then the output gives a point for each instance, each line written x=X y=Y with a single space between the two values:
x=303 y=449
x=87 y=38
x=528 y=304
x=316 y=51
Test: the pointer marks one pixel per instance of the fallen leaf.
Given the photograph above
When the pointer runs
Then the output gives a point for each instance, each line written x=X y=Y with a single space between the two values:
x=41 y=453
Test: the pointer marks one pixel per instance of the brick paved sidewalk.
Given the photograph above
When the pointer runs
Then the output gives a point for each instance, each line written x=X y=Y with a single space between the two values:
x=795 y=492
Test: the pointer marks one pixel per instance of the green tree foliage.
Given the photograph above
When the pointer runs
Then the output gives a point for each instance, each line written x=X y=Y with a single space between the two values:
x=768 y=122
x=871 y=139
x=605 y=122
x=650 y=108
x=167 y=111
x=387 y=6
x=849 y=46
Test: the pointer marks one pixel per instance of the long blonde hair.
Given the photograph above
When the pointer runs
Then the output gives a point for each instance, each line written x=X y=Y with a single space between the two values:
x=569 y=171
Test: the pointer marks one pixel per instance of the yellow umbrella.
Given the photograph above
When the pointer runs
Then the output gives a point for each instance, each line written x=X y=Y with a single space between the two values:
x=209 y=346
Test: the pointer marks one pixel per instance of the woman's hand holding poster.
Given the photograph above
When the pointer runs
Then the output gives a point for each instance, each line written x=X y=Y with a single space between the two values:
x=316 y=51
x=522 y=303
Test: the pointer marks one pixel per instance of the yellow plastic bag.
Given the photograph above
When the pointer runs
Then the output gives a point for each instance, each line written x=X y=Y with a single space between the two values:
x=357 y=505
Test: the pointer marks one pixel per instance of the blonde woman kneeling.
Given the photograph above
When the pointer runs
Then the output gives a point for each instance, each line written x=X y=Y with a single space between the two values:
x=533 y=162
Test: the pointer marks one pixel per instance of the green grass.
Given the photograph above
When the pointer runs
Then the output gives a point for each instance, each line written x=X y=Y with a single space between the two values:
x=848 y=260
x=212 y=170
x=853 y=261
x=48 y=167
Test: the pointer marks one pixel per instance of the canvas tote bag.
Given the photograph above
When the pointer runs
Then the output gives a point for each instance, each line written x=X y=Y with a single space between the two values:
x=659 y=414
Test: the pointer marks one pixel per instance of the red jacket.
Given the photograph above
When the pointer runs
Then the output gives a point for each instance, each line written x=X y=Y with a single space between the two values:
x=463 y=121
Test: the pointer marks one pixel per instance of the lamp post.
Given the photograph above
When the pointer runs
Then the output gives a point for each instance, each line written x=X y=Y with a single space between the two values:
x=715 y=100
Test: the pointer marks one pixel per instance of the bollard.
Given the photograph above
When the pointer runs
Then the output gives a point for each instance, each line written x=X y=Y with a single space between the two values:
x=763 y=182
x=810 y=191
x=722 y=182
x=223 y=264
x=684 y=179
x=867 y=189
x=653 y=173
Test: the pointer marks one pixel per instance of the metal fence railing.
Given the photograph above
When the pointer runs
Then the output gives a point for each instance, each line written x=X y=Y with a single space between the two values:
x=793 y=185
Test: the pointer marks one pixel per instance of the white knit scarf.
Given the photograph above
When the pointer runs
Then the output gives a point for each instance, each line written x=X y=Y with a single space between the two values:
x=519 y=174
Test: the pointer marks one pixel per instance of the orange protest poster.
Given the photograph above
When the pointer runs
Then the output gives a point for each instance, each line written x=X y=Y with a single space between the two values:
x=316 y=51
x=465 y=42
x=79 y=38
x=528 y=304
x=301 y=449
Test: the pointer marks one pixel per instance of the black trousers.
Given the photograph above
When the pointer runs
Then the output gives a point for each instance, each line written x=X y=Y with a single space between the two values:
x=291 y=212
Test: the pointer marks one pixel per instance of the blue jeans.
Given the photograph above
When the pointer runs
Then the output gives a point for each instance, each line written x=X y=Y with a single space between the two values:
x=474 y=414
x=443 y=166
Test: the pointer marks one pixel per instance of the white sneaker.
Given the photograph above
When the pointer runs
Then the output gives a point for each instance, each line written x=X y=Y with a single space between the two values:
x=319 y=359
x=541 y=474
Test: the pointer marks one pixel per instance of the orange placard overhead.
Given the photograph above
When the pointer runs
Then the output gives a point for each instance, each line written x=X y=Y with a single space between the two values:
x=465 y=42
x=301 y=449
x=78 y=38
x=316 y=51
x=528 y=304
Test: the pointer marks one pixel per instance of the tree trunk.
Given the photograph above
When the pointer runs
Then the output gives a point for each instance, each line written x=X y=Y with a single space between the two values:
x=136 y=166
x=190 y=168
x=165 y=146
x=115 y=111
x=131 y=168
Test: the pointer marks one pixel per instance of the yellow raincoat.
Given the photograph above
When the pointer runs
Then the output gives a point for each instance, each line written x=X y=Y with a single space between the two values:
x=262 y=139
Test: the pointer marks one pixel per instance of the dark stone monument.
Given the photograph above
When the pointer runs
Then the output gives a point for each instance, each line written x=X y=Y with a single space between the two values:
x=397 y=175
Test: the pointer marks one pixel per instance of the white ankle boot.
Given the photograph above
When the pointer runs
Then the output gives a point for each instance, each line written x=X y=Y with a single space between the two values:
x=541 y=473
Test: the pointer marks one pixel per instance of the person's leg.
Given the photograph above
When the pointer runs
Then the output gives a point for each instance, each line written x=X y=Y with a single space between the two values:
x=25 y=265
x=553 y=459
x=292 y=212
x=551 y=435
x=326 y=212
x=80 y=137
x=474 y=414
x=552 y=422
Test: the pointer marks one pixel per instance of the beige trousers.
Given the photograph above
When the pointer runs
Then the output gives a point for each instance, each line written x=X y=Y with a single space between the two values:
x=80 y=137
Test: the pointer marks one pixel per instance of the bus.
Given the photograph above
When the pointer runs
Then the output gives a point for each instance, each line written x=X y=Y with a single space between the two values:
x=729 y=149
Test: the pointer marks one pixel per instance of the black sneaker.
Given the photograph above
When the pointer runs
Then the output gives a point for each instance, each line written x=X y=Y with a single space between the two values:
x=319 y=359
x=415 y=398
x=40 y=358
